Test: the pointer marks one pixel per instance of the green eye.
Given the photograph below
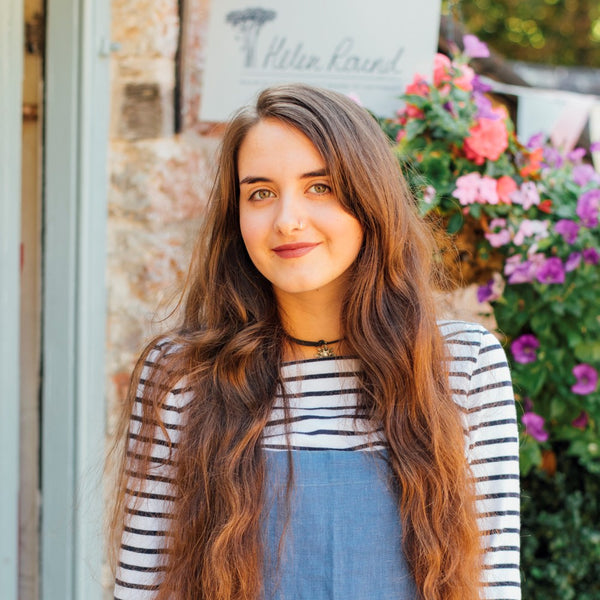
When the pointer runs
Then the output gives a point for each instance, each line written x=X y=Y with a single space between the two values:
x=321 y=188
x=261 y=195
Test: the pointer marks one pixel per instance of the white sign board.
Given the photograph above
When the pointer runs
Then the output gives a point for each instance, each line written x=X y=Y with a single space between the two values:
x=368 y=48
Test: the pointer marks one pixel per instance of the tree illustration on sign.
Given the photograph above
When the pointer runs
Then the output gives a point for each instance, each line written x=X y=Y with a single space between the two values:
x=249 y=22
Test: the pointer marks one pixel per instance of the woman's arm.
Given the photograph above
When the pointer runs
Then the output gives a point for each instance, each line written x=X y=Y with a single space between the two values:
x=483 y=388
x=149 y=498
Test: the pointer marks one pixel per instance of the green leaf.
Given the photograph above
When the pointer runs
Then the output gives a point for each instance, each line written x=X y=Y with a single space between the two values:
x=455 y=223
x=588 y=352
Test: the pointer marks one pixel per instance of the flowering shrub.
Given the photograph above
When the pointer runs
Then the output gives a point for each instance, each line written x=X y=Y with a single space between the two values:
x=539 y=210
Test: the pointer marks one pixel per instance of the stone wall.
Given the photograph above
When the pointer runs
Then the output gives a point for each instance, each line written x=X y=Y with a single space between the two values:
x=159 y=178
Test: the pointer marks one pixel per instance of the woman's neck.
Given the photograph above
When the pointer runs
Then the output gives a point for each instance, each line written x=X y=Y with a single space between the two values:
x=311 y=318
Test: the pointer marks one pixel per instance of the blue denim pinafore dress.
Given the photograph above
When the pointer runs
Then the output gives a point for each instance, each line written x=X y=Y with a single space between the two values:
x=342 y=537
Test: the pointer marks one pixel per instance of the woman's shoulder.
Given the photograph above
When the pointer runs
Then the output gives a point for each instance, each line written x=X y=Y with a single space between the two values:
x=468 y=340
x=159 y=358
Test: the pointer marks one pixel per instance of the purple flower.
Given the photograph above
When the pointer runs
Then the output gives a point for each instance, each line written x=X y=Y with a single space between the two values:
x=591 y=256
x=534 y=426
x=568 y=229
x=491 y=291
x=519 y=271
x=552 y=271
x=535 y=141
x=553 y=157
x=587 y=207
x=480 y=86
x=474 y=47
x=572 y=261
x=524 y=347
x=581 y=421
x=485 y=110
x=583 y=174
x=576 y=155
x=587 y=379
x=595 y=147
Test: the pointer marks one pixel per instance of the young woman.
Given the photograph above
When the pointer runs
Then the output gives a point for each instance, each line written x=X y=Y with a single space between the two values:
x=311 y=431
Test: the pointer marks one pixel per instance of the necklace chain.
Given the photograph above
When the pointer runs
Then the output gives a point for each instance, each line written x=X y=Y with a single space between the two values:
x=323 y=349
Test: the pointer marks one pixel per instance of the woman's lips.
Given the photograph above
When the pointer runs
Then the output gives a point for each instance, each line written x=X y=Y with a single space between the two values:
x=294 y=250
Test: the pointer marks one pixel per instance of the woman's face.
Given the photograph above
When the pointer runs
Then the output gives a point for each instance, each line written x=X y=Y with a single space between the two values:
x=295 y=230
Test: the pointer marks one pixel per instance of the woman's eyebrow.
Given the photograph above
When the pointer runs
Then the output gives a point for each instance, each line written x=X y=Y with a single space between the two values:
x=255 y=179
x=318 y=173
x=259 y=178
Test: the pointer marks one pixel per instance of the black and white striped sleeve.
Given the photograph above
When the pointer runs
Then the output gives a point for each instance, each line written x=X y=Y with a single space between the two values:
x=483 y=388
x=149 y=499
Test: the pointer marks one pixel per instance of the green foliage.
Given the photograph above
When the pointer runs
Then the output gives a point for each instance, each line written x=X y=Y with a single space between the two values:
x=562 y=32
x=560 y=538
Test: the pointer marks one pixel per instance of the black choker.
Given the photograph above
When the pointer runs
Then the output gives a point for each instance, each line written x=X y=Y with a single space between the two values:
x=323 y=349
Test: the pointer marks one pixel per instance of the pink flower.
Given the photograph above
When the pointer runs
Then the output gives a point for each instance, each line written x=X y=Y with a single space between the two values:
x=531 y=228
x=467 y=188
x=534 y=426
x=487 y=139
x=580 y=421
x=413 y=112
x=527 y=196
x=474 y=47
x=498 y=235
x=505 y=187
x=442 y=67
x=465 y=80
x=418 y=87
x=524 y=348
x=587 y=379
x=473 y=188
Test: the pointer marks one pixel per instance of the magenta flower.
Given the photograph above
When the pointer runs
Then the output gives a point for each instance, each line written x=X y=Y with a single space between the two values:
x=552 y=271
x=581 y=421
x=524 y=348
x=568 y=229
x=595 y=147
x=534 y=426
x=587 y=379
x=573 y=261
x=474 y=47
x=591 y=256
x=587 y=207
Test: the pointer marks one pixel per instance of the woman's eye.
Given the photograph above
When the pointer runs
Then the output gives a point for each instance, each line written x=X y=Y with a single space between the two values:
x=320 y=188
x=261 y=195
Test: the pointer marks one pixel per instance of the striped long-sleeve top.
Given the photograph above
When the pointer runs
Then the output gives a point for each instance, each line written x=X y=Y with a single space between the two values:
x=322 y=396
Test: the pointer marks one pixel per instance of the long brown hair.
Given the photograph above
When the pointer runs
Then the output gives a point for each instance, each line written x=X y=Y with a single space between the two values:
x=228 y=351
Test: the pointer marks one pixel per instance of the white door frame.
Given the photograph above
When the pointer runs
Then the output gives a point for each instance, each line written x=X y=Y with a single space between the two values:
x=74 y=298
x=11 y=81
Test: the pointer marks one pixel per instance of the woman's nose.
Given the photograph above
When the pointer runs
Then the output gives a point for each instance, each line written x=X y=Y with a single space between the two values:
x=289 y=218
